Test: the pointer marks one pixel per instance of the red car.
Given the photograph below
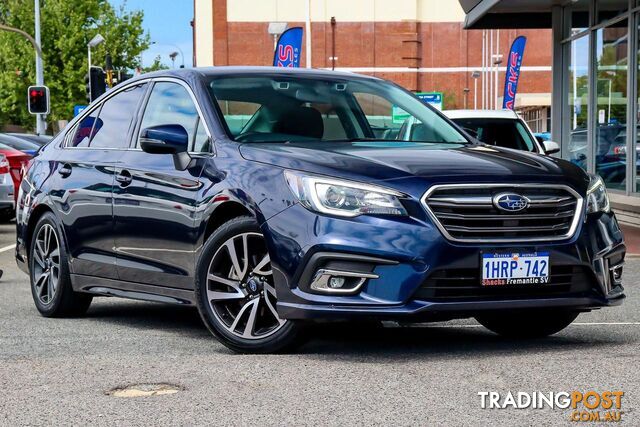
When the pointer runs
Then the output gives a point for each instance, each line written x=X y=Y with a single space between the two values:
x=17 y=161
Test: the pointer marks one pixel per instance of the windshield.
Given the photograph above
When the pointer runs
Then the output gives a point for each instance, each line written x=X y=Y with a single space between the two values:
x=508 y=133
x=284 y=108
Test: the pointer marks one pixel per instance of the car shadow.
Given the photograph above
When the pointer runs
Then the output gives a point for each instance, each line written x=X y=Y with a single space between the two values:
x=184 y=320
x=360 y=341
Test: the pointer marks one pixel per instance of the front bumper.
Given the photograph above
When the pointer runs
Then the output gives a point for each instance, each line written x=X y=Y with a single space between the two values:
x=415 y=254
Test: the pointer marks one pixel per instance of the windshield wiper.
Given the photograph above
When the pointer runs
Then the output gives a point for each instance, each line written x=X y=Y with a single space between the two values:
x=368 y=139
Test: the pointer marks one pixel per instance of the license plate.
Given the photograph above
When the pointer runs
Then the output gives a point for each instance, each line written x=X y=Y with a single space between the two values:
x=499 y=269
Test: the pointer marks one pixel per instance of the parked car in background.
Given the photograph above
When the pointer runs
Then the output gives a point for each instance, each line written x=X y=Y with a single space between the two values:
x=36 y=139
x=20 y=144
x=501 y=128
x=7 y=191
x=18 y=161
x=304 y=209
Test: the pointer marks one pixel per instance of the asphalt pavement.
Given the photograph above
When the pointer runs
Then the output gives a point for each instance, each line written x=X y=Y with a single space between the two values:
x=61 y=371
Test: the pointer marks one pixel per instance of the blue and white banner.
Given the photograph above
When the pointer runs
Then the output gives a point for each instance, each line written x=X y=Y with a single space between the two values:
x=513 y=72
x=288 y=49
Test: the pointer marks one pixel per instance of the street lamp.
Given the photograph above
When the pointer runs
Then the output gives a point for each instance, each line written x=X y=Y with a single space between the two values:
x=95 y=41
x=173 y=55
x=275 y=29
x=168 y=44
x=497 y=60
x=475 y=74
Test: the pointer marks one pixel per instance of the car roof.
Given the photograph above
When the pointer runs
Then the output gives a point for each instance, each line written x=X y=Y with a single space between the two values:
x=481 y=114
x=199 y=72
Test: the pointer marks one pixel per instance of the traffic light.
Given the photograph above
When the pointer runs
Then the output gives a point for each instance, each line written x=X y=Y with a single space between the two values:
x=95 y=84
x=38 y=97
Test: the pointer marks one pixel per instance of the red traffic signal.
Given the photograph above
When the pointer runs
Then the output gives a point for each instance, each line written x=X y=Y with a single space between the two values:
x=38 y=97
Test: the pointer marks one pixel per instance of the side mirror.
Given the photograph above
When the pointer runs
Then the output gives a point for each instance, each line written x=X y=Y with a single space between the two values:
x=550 y=147
x=164 y=139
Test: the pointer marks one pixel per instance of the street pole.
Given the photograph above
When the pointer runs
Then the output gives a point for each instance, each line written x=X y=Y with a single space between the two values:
x=89 y=68
x=308 y=33
x=498 y=62
x=484 y=60
x=490 y=73
x=475 y=93
x=41 y=125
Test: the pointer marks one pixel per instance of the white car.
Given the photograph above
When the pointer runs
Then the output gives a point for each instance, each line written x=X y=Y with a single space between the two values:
x=503 y=128
x=7 y=203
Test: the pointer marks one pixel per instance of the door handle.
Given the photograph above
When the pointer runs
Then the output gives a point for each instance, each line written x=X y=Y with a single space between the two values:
x=65 y=170
x=124 y=177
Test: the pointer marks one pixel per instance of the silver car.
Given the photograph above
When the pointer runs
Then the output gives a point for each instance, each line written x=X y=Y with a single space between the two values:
x=7 y=200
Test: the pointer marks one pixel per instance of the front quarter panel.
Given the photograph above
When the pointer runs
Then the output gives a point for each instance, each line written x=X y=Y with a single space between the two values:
x=228 y=178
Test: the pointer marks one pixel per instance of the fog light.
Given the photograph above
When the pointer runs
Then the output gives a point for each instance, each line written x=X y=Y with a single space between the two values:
x=336 y=282
x=339 y=282
x=616 y=274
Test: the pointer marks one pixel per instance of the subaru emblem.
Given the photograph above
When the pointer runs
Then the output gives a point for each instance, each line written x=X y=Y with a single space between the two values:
x=510 y=202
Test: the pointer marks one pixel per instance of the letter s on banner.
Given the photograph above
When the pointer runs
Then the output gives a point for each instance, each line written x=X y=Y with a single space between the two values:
x=513 y=72
x=287 y=52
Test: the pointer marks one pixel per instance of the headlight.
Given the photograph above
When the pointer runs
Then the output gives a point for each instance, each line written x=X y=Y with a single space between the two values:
x=343 y=198
x=597 y=198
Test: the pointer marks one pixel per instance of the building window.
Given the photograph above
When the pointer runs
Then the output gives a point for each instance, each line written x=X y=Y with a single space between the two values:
x=610 y=9
x=611 y=104
x=578 y=13
x=576 y=121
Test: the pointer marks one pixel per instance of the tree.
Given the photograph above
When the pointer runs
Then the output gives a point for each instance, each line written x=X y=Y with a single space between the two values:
x=66 y=28
x=155 y=66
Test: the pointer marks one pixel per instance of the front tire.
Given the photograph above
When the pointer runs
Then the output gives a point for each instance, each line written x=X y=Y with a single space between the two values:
x=51 y=287
x=527 y=323
x=235 y=291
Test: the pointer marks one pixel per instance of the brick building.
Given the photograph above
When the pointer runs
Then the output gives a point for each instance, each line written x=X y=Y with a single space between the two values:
x=420 y=44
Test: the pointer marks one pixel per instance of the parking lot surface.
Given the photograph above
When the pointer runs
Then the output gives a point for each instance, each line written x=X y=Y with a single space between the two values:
x=59 y=371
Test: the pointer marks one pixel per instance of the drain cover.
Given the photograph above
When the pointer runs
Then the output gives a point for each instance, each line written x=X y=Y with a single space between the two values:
x=144 y=390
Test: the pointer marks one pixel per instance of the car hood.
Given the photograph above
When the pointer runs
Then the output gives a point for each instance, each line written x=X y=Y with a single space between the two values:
x=377 y=162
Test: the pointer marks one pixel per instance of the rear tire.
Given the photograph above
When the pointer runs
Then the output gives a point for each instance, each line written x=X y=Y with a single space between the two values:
x=49 y=273
x=527 y=323
x=235 y=292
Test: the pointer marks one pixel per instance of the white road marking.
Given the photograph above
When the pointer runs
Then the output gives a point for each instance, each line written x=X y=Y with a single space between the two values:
x=8 y=248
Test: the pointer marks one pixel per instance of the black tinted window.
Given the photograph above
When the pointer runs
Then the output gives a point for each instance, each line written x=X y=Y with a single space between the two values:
x=111 y=128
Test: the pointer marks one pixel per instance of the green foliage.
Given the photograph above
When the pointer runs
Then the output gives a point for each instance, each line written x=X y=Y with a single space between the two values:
x=155 y=66
x=66 y=28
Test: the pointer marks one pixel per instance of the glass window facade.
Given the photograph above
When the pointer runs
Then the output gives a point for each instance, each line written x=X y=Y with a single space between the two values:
x=599 y=120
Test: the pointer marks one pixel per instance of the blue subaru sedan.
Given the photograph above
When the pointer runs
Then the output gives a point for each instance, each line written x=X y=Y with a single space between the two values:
x=274 y=198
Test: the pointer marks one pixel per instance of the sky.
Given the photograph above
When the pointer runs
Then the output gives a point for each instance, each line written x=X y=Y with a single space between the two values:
x=168 y=25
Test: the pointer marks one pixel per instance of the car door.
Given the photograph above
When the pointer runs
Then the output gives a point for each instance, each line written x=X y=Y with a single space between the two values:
x=154 y=202
x=84 y=180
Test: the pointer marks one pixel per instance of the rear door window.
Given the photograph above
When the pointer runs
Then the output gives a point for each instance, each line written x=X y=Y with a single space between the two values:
x=108 y=125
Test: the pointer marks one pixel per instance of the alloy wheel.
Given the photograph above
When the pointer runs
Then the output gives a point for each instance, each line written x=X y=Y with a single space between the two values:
x=240 y=288
x=46 y=266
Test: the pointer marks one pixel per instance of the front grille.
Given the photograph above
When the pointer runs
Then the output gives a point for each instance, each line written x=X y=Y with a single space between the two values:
x=466 y=213
x=464 y=284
